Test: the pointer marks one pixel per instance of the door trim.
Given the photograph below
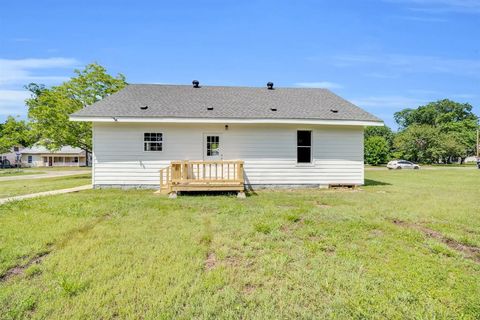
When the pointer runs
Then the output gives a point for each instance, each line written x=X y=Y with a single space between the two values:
x=204 y=145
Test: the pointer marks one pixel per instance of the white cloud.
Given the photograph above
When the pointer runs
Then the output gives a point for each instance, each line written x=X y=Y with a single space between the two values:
x=436 y=94
x=15 y=73
x=21 y=71
x=421 y=19
x=11 y=99
x=441 y=6
x=463 y=96
x=321 y=84
x=395 y=64
x=389 y=102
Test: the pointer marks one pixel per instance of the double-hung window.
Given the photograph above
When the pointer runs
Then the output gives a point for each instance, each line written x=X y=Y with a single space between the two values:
x=152 y=141
x=30 y=159
x=304 y=146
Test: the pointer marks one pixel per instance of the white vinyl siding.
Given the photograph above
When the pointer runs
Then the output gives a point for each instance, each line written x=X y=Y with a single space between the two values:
x=269 y=152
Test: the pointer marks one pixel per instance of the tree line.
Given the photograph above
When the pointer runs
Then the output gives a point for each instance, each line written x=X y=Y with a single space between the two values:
x=438 y=132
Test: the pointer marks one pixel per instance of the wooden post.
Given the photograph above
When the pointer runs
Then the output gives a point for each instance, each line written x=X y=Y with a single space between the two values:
x=161 y=179
x=168 y=177
x=183 y=171
x=240 y=171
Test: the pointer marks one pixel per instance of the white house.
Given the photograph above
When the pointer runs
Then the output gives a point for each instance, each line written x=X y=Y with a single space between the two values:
x=284 y=136
x=12 y=157
x=39 y=156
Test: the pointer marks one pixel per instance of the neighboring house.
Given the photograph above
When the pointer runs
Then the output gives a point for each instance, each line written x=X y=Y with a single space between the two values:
x=285 y=136
x=13 y=156
x=39 y=156
x=470 y=159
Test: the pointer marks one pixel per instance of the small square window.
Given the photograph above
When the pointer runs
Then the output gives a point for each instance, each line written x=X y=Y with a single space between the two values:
x=153 y=141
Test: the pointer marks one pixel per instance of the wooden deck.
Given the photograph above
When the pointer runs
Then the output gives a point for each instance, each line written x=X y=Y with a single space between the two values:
x=222 y=175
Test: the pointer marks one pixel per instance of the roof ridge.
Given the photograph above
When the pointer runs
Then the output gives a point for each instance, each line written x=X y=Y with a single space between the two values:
x=223 y=86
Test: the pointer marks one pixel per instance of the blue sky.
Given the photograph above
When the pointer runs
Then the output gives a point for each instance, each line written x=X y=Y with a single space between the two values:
x=383 y=55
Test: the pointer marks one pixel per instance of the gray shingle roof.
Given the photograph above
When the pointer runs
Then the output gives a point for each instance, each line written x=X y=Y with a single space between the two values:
x=180 y=101
x=37 y=149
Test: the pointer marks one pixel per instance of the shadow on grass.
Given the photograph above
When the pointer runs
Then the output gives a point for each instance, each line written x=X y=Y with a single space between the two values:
x=369 y=182
x=248 y=193
x=185 y=194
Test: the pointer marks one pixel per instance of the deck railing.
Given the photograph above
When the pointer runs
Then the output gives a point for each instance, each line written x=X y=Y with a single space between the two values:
x=202 y=173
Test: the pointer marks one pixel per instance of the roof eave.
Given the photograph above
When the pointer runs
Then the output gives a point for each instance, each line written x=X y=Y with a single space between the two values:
x=229 y=120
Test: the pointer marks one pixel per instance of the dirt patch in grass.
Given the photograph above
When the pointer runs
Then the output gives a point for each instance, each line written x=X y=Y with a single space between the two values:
x=468 y=251
x=18 y=270
x=321 y=205
x=210 y=261
x=376 y=233
x=294 y=223
x=238 y=262
x=249 y=289
x=287 y=207
x=341 y=188
x=81 y=231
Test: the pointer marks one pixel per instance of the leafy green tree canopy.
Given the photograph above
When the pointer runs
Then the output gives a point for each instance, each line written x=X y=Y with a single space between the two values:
x=13 y=133
x=437 y=114
x=444 y=131
x=377 y=150
x=383 y=131
x=49 y=108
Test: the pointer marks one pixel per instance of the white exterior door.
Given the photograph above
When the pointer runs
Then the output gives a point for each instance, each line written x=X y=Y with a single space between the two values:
x=212 y=146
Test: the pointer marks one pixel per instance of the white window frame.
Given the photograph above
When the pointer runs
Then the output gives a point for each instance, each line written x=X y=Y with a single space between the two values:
x=144 y=141
x=30 y=159
x=304 y=164
x=204 y=146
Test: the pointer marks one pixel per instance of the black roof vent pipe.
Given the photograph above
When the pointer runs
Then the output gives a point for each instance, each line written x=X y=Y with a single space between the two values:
x=270 y=86
x=196 y=83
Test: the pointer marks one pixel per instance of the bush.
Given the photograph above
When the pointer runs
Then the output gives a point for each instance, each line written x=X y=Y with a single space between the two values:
x=376 y=150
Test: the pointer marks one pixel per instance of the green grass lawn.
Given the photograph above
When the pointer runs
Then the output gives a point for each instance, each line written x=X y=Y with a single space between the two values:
x=17 y=172
x=277 y=254
x=19 y=187
x=48 y=169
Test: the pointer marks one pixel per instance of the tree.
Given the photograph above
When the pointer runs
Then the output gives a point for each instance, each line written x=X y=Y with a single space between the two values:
x=383 y=131
x=436 y=114
x=49 y=108
x=374 y=150
x=14 y=133
x=419 y=143
x=377 y=150
x=453 y=123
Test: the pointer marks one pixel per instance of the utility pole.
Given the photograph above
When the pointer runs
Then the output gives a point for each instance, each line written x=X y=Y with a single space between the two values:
x=478 y=148
x=478 y=144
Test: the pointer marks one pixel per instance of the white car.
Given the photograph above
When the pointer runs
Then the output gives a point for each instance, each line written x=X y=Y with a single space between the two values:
x=402 y=164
